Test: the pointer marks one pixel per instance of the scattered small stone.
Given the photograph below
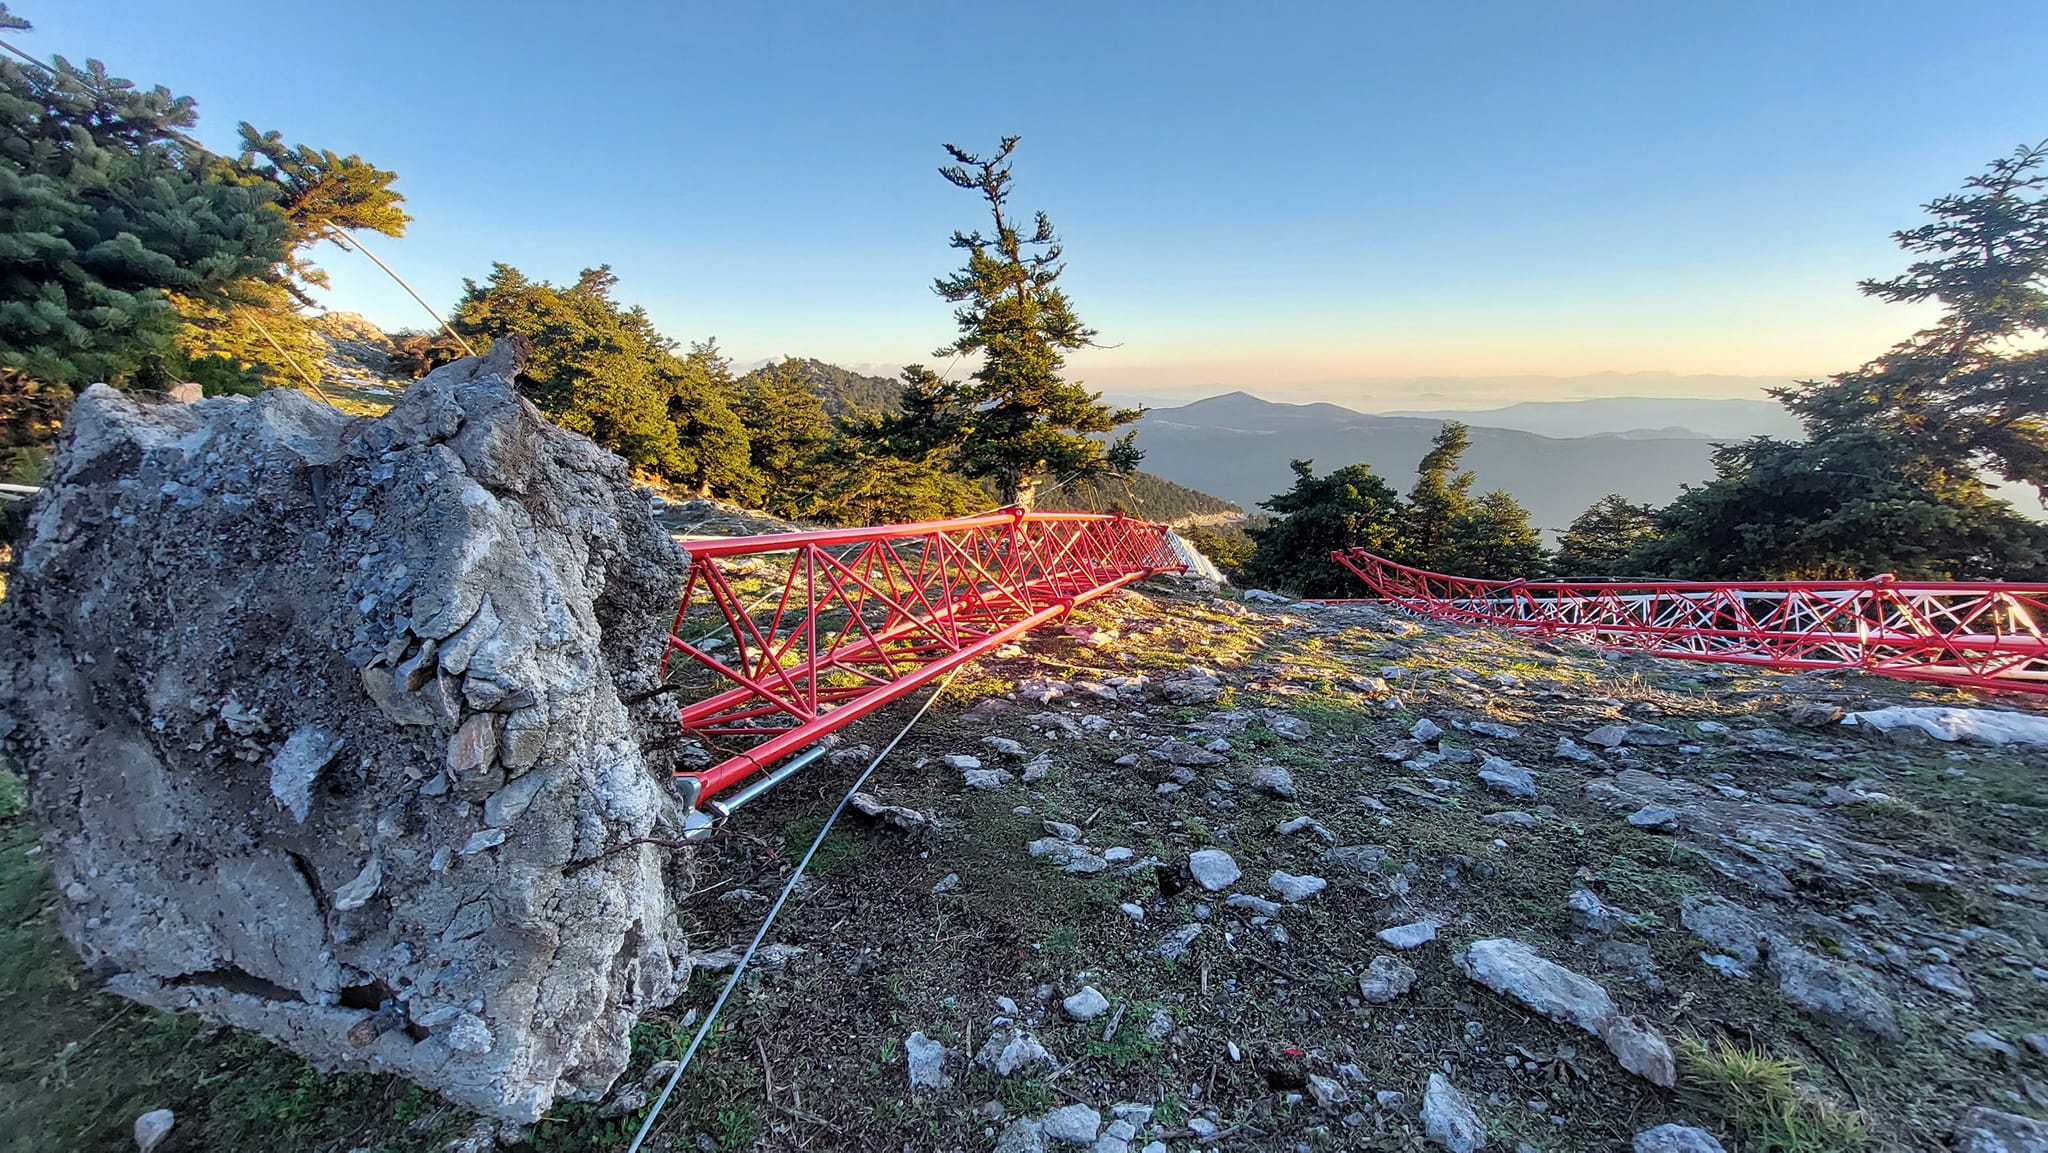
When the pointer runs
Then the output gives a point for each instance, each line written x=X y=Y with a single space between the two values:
x=1257 y=906
x=987 y=779
x=1654 y=817
x=1188 y=755
x=1946 y=979
x=1385 y=979
x=152 y=1127
x=1021 y=1136
x=1410 y=936
x=1508 y=778
x=1982 y=1130
x=1449 y=1119
x=1273 y=780
x=1175 y=944
x=1495 y=730
x=960 y=761
x=1133 y=911
x=1295 y=889
x=1571 y=750
x=1213 y=869
x=1725 y=965
x=1608 y=736
x=1674 y=1138
x=1509 y=819
x=1012 y=1051
x=1592 y=914
x=1513 y=969
x=1990 y=1042
x=1303 y=824
x=1086 y=1004
x=1426 y=731
x=927 y=1060
x=1830 y=989
x=1006 y=747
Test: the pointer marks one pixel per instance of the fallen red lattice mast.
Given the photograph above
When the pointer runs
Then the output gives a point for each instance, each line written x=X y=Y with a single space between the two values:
x=841 y=622
x=1980 y=635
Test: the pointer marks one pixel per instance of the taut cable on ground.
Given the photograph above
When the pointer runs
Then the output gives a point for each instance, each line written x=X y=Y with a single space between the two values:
x=739 y=969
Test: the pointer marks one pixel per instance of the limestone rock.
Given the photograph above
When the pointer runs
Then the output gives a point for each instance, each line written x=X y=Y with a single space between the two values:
x=1410 y=936
x=1673 y=1138
x=243 y=776
x=1086 y=1004
x=1074 y=1124
x=927 y=1060
x=1213 y=869
x=1513 y=969
x=1989 y=1131
x=1507 y=778
x=1449 y=1119
x=1295 y=889
x=1385 y=979
x=152 y=1127
x=1834 y=990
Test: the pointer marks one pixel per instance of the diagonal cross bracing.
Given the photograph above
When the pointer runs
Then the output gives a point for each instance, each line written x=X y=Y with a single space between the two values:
x=852 y=619
x=1981 y=635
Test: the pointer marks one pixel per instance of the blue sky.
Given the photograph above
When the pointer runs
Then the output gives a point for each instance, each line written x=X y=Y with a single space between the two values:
x=1304 y=200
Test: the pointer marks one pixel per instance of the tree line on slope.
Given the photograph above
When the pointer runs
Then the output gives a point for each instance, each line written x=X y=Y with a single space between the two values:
x=1890 y=478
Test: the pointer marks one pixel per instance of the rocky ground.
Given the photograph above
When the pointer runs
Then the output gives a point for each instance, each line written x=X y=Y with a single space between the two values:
x=1192 y=872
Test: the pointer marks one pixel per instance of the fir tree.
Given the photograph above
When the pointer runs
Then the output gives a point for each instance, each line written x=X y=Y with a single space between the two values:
x=105 y=213
x=1016 y=419
x=1492 y=538
x=1349 y=508
x=1441 y=494
x=1603 y=540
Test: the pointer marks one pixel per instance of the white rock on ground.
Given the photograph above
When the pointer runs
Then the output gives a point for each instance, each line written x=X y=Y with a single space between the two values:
x=1213 y=869
x=1295 y=889
x=927 y=1059
x=1674 y=1138
x=1513 y=969
x=1273 y=780
x=1449 y=1119
x=1086 y=1004
x=1426 y=730
x=1984 y=1130
x=1385 y=979
x=962 y=761
x=1507 y=778
x=457 y=589
x=1013 y=1051
x=1980 y=726
x=1413 y=935
x=1074 y=1124
x=152 y=1127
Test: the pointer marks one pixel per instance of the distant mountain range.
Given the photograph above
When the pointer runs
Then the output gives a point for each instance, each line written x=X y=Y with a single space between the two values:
x=1637 y=417
x=1237 y=446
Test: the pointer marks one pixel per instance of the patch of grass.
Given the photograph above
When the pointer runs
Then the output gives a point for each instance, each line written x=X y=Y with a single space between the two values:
x=1757 y=1097
x=1024 y=1095
x=842 y=848
x=1130 y=1046
x=13 y=795
x=737 y=1126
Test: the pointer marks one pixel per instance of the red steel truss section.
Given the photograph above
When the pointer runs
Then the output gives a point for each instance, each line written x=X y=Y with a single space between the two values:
x=852 y=619
x=1980 y=635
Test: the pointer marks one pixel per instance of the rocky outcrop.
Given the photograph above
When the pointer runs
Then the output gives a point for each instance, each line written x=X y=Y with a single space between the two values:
x=330 y=723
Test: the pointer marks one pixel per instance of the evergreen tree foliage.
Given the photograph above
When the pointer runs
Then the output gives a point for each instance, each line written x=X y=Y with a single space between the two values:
x=1603 y=540
x=1888 y=479
x=1016 y=419
x=1349 y=508
x=1851 y=504
x=606 y=372
x=845 y=394
x=1440 y=496
x=105 y=213
x=1492 y=538
x=259 y=321
x=787 y=435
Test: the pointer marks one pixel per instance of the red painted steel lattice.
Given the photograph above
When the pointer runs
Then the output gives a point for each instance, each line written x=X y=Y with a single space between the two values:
x=1980 y=635
x=855 y=618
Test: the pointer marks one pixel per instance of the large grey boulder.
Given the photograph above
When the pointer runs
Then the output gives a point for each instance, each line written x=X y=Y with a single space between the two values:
x=330 y=721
